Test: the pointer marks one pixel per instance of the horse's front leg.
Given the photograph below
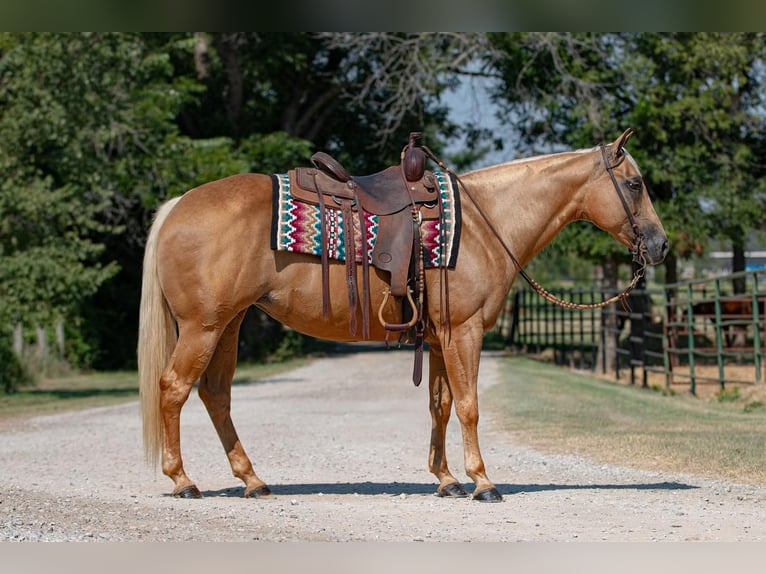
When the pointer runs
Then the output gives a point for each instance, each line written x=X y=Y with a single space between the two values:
x=462 y=352
x=440 y=405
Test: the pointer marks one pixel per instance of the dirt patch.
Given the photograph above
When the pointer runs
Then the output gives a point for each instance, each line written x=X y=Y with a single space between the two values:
x=741 y=382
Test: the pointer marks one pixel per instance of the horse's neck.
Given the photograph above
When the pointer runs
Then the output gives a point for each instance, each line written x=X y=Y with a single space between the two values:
x=530 y=201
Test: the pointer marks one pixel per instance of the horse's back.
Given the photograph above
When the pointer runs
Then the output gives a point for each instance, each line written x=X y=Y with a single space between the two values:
x=220 y=207
x=244 y=192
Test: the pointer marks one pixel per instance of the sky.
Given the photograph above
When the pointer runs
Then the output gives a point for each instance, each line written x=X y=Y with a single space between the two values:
x=470 y=102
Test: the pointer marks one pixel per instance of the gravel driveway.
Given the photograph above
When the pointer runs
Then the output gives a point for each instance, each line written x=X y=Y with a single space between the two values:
x=343 y=444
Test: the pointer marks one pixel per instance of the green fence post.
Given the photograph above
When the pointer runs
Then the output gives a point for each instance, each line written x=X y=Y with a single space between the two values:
x=545 y=319
x=644 y=337
x=690 y=338
x=670 y=316
x=718 y=335
x=757 y=322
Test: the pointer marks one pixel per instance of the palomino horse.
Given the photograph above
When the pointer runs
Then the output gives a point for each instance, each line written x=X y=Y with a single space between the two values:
x=208 y=258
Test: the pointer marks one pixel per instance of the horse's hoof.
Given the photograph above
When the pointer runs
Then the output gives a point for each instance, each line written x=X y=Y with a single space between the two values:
x=489 y=495
x=188 y=492
x=258 y=492
x=452 y=490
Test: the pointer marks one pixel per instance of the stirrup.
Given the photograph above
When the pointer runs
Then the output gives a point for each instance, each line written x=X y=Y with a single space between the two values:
x=398 y=326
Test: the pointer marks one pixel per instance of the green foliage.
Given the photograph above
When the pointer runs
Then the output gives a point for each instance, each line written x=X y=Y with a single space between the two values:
x=751 y=406
x=275 y=152
x=89 y=146
x=87 y=135
x=293 y=345
x=13 y=374
x=701 y=126
x=728 y=395
x=493 y=341
x=733 y=395
x=663 y=390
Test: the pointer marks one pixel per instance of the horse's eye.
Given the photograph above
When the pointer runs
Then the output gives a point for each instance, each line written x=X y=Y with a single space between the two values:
x=635 y=184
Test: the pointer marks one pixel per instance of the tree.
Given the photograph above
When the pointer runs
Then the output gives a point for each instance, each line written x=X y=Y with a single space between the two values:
x=694 y=100
x=703 y=112
x=88 y=146
x=48 y=254
x=344 y=93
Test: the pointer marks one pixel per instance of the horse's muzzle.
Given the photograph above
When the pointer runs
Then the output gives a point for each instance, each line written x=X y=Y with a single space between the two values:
x=656 y=247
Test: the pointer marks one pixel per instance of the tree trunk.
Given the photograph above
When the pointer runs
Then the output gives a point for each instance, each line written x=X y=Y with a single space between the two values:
x=60 y=339
x=18 y=340
x=738 y=265
x=42 y=345
x=739 y=284
x=671 y=269
x=228 y=46
x=609 y=318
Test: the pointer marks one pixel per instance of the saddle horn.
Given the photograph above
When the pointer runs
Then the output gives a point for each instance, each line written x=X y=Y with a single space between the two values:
x=414 y=158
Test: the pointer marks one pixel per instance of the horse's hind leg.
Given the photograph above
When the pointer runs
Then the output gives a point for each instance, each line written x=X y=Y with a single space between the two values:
x=190 y=358
x=440 y=405
x=215 y=392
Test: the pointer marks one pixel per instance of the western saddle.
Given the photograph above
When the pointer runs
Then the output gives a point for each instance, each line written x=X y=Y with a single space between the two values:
x=398 y=249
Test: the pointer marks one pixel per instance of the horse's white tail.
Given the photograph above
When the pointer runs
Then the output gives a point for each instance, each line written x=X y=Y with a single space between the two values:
x=156 y=339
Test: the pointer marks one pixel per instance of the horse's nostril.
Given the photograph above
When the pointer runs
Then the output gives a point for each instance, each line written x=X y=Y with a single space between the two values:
x=658 y=248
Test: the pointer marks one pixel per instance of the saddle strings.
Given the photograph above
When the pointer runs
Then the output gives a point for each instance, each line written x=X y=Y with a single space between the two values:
x=638 y=250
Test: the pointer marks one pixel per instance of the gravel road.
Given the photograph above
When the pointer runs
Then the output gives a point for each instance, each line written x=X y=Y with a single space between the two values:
x=343 y=444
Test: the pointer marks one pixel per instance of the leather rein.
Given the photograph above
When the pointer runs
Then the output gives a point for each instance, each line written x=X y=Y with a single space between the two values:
x=638 y=249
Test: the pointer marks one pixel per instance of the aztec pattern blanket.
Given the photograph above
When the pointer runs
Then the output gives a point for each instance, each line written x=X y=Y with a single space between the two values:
x=296 y=226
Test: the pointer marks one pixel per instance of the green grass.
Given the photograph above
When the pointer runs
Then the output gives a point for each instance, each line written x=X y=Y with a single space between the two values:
x=83 y=391
x=560 y=411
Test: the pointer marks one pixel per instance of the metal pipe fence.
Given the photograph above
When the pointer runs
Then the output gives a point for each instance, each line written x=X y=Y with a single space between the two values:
x=700 y=332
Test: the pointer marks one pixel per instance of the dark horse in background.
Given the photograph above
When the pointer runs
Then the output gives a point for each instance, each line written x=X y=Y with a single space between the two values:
x=208 y=258
x=735 y=315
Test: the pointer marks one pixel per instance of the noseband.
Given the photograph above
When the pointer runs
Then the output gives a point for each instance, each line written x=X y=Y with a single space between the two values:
x=638 y=249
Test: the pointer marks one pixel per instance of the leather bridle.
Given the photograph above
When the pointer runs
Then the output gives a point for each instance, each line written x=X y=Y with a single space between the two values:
x=639 y=247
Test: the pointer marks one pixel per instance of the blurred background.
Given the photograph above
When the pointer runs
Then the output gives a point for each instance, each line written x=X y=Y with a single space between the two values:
x=98 y=128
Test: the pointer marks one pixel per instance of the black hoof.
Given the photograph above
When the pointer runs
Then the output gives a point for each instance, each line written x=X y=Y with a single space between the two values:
x=489 y=495
x=452 y=490
x=189 y=492
x=258 y=492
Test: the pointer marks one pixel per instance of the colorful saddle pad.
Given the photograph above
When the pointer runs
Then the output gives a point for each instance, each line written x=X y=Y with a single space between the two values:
x=296 y=226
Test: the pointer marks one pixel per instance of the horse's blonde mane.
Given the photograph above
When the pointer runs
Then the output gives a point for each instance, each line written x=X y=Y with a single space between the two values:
x=532 y=159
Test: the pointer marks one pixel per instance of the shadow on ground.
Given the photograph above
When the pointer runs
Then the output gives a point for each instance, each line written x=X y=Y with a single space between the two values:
x=412 y=488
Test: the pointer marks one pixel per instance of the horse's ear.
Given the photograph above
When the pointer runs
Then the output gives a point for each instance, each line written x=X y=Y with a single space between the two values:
x=620 y=142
